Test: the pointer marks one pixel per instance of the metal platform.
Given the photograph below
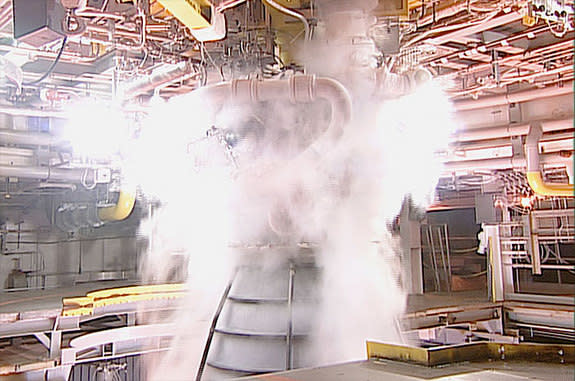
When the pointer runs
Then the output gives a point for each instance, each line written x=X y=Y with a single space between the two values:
x=42 y=334
x=387 y=370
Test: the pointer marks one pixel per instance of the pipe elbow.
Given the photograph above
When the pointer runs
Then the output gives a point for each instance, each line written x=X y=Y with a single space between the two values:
x=334 y=92
x=121 y=210
x=535 y=181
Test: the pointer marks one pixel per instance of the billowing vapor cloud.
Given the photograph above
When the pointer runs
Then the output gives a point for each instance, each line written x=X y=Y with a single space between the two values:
x=239 y=187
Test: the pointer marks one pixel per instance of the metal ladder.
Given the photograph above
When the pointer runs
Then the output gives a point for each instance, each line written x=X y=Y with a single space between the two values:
x=437 y=237
x=288 y=336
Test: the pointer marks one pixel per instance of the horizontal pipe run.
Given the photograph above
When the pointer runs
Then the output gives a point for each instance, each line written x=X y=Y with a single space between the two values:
x=565 y=139
x=16 y=111
x=518 y=97
x=156 y=79
x=544 y=267
x=510 y=130
x=27 y=138
x=501 y=163
x=43 y=173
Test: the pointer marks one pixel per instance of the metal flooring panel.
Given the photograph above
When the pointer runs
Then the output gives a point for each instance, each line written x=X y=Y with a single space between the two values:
x=383 y=370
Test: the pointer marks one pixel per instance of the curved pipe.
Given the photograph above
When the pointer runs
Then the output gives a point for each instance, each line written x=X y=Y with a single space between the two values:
x=298 y=89
x=121 y=210
x=534 y=177
x=291 y=13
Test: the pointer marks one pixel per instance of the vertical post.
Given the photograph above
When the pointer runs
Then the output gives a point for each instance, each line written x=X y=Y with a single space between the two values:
x=443 y=261
x=55 y=344
x=501 y=270
x=447 y=251
x=410 y=233
x=289 y=333
x=433 y=259
x=533 y=245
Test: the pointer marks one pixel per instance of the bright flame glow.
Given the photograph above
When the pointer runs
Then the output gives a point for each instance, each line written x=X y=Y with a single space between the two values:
x=526 y=202
x=413 y=128
x=97 y=129
x=343 y=202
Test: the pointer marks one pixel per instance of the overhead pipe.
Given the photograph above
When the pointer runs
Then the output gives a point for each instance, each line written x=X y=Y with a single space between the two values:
x=510 y=130
x=27 y=138
x=534 y=177
x=484 y=25
x=17 y=111
x=502 y=162
x=73 y=175
x=518 y=97
x=157 y=78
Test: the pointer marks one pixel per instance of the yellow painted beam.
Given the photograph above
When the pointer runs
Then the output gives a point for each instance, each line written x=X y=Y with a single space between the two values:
x=84 y=305
x=195 y=14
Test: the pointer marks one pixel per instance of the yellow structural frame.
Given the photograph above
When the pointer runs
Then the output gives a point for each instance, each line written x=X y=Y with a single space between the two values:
x=188 y=12
x=84 y=305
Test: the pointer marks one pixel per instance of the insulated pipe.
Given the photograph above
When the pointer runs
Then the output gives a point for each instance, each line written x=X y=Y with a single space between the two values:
x=501 y=162
x=534 y=177
x=156 y=78
x=26 y=138
x=510 y=130
x=121 y=210
x=16 y=111
x=74 y=175
x=298 y=89
x=521 y=96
